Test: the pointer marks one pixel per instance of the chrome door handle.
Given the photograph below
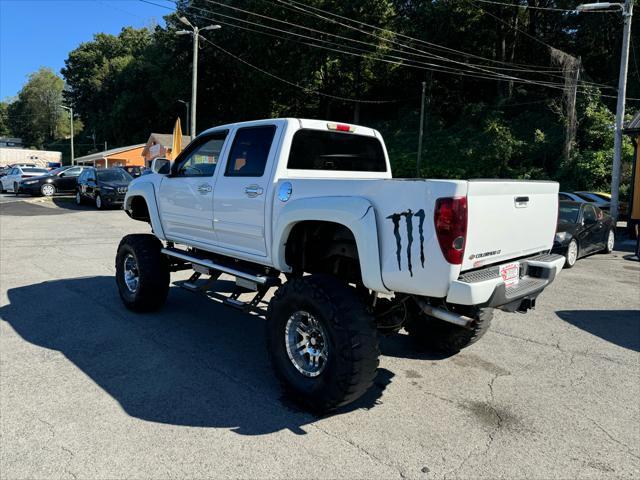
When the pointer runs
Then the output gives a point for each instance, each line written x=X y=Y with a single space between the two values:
x=204 y=188
x=253 y=190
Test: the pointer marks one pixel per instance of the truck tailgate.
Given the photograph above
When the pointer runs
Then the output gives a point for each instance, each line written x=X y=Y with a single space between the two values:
x=508 y=219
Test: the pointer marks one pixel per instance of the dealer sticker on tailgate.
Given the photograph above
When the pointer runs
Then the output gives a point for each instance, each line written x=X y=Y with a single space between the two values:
x=510 y=273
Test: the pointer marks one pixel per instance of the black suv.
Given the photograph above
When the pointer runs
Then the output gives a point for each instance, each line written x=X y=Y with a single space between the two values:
x=105 y=187
x=60 y=180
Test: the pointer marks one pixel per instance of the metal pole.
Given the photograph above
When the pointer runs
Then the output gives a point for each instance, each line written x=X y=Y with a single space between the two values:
x=188 y=104
x=627 y=13
x=194 y=82
x=424 y=86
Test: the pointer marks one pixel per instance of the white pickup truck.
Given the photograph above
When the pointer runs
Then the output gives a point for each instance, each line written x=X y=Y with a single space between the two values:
x=363 y=254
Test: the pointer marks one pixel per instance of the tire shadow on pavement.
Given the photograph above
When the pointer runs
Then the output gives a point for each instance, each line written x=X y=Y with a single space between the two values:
x=193 y=363
x=620 y=327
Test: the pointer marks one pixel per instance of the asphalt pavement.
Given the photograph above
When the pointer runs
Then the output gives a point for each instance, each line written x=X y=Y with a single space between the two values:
x=91 y=390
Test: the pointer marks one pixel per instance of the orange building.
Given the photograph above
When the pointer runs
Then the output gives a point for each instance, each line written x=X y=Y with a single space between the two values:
x=116 y=157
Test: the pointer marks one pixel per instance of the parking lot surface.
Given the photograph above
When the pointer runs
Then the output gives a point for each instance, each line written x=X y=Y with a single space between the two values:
x=91 y=390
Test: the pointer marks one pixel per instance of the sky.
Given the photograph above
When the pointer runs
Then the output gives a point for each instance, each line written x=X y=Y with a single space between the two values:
x=41 y=33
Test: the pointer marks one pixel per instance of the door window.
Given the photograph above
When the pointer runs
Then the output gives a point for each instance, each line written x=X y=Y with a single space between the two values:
x=250 y=151
x=202 y=160
x=73 y=172
x=589 y=214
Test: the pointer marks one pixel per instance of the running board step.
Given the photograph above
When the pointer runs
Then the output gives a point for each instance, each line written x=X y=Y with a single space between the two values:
x=260 y=280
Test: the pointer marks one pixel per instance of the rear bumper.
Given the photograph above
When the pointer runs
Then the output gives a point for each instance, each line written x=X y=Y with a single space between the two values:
x=485 y=287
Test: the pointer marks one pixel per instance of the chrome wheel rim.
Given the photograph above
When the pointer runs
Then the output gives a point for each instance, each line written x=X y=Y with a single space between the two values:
x=47 y=190
x=131 y=274
x=611 y=240
x=572 y=253
x=78 y=198
x=98 y=202
x=307 y=343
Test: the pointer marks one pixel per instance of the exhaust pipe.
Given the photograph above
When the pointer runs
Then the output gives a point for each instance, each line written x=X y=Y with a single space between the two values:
x=444 y=315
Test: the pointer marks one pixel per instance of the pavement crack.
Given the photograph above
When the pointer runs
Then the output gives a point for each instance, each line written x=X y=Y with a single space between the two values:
x=360 y=449
x=556 y=346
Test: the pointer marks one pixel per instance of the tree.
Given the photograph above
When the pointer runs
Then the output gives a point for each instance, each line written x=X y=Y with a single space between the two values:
x=36 y=116
x=5 y=131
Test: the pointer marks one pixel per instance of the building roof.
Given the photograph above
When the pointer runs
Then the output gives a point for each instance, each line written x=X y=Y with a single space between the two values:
x=166 y=139
x=107 y=153
x=633 y=126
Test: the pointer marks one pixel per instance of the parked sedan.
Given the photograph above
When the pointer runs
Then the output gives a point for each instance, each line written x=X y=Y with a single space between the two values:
x=582 y=229
x=103 y=187
x=60 y=180
x=12 y=180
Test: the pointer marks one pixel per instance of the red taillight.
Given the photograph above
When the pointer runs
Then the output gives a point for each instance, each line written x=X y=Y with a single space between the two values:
x=450 y=219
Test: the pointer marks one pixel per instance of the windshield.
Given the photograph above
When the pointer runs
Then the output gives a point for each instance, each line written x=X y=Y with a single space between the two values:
x=35 y=170
x=114 y=176
x=602 y=197
x=568 y=213
x=585 y=196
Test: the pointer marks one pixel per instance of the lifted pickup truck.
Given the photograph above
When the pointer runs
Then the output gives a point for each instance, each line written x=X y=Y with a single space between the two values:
x=363 y=254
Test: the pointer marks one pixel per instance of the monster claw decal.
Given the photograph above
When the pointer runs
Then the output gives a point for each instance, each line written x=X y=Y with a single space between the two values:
x=420 y=215
x=409 y=215
x=395 y=218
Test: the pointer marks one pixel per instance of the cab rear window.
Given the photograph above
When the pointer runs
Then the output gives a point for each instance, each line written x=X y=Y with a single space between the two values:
x=335 y=151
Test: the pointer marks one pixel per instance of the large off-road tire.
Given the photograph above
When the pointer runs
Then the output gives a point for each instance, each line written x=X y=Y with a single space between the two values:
x=322 y=342
x=437 y=335
x=142 y=273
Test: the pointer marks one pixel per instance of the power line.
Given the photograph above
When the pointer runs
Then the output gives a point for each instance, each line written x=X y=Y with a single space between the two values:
x=420 y=53
x=487 y=74
x=304 y=8
x=547 y=72
x=293 y=84
x=450 y=70
x=529 y=7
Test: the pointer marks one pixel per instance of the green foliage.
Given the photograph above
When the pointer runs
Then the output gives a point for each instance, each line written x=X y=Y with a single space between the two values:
x=36 y=116
x=5 y=131
x=128 y=85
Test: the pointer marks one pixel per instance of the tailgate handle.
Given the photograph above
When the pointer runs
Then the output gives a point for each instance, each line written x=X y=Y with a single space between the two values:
x=521 y=202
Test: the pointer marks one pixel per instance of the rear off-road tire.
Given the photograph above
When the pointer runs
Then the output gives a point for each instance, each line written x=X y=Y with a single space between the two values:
x=440 y=336
x=341 y=328
x=142 y=273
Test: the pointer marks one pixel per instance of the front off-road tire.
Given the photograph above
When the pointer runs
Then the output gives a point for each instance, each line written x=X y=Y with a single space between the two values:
x=344 y=330
x=142 y=273
x=440 y=336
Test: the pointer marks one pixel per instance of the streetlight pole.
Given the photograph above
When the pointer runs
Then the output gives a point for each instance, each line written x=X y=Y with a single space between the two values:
x=71 y=116
x=188 y=114
x=194 y=78
x=627 y=14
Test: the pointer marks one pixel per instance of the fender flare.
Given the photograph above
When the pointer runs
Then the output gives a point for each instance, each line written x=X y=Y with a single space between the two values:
x=355 y=213
x=147 y=191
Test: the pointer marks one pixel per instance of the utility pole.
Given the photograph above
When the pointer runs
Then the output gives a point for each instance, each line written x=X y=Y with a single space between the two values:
x=424 y=87
x=71 y=117
x=195 y=33
x=421 y=133
x=627 y=14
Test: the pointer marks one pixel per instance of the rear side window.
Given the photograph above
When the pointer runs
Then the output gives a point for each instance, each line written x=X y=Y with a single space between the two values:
x=318 y=150
x=250 y=151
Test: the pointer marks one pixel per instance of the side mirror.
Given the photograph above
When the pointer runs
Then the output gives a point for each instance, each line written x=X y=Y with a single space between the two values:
x=161 y=166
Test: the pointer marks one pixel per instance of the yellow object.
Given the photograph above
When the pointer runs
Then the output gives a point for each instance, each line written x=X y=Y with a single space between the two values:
x=177 y=140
